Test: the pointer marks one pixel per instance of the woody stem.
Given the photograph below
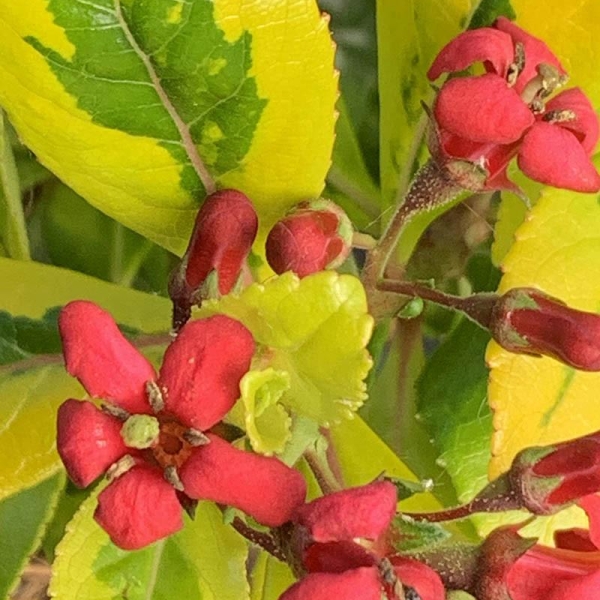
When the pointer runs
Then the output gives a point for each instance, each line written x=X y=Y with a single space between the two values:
x=432 y=186
x=259 y=538
x=477 y=307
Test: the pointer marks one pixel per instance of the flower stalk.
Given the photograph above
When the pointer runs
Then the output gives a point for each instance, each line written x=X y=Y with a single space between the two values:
x=432 y=187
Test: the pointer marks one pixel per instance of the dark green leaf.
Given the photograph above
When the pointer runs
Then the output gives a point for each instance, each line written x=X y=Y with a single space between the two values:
x=73 y=234
x=22 y=520
x=452 y=395
x=133 y=70
x=416 y=535
x=489 y=10
x=22 y=337
x=67 y=504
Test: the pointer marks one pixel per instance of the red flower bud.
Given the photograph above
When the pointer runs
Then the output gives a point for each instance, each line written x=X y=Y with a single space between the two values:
x=313 y=236
x=546 y=479
x=502 y=548
x=223 y=235
x=511 y=567
x=527 y=321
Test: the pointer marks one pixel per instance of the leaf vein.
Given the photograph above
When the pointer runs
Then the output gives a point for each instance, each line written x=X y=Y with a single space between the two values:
x=184 y=132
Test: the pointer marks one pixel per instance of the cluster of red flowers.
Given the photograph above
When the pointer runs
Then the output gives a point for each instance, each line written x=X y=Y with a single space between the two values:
x=157 y=435
x=491 y=118
x=342 y=544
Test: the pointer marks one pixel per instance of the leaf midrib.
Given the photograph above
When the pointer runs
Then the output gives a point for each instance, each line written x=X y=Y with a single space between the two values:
x=186 y=137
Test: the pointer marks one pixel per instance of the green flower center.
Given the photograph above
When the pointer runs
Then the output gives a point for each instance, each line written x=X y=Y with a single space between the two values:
x=140 y=431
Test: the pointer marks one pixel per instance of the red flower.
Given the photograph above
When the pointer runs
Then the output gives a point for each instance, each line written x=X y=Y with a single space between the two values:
x=313 y=236
x=570 y=570
x=223 y=235
x=341 y=542
x=489 y=119
x=527 y=321
x=150 y=437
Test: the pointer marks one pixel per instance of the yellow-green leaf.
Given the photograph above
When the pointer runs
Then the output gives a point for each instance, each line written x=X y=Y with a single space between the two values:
x=569 y=32
x=142 y=105
x=22 y=282
x=363 y=457
x=409 y=34
x=29 y=399
x=270 y=578
x=205 y=560
x=31 y=391
x=540 y=400
x=316 y=329
x=267 y=423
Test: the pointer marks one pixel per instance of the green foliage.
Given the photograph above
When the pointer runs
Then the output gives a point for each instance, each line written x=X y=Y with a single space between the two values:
x=23 y=517
x=13 y=236
x=71 y=233
x=315 y=329
x=22 y=337
x=452 y=395
x=128 y=94
x=416 y=535
x=489 y=10
x=205 y=560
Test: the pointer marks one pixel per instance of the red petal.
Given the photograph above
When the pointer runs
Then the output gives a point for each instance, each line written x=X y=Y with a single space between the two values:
x=201 y=372
x=482 y=109
x=494 y=158
x=139 y=508
x=574 y=539
x=358 y=584
x=478 y=45
x=106 y=364
x=88 y=441
x=585 y=126
x=591 y=505
x=360 y=512
x=263 y=487
x=336 y=557
x=421 y=578
x=536 y=52
x=553 y=155
x=586 y=586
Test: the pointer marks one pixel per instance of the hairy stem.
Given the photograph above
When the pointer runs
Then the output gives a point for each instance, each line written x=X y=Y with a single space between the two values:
x=478 y=307
x=264 y=540
x=497 y=496
x=432 y=187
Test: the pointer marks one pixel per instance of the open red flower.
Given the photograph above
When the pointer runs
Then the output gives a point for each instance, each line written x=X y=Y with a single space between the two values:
x=154 y=435
x=341 y=540
x=489 y=119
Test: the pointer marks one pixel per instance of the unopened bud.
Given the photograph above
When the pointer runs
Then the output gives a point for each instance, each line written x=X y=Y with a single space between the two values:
x=527 y=321
x=223 y=235
x=498 y=554
x=549 y=478
x=313 y=236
